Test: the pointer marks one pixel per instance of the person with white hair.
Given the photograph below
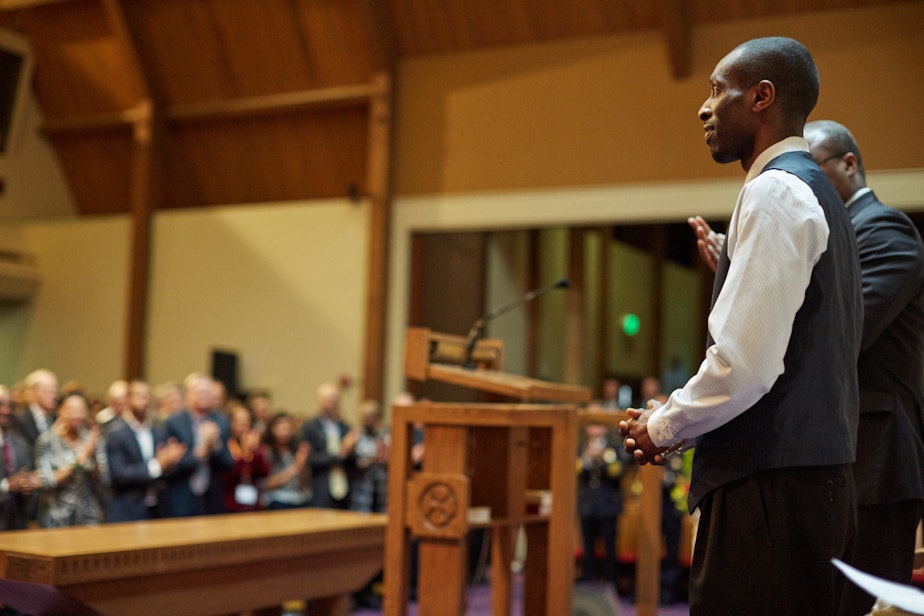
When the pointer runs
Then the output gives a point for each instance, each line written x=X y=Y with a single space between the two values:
x=332 y=451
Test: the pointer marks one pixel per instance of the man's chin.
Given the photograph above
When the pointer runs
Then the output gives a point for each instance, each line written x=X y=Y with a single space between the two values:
x=722 y=157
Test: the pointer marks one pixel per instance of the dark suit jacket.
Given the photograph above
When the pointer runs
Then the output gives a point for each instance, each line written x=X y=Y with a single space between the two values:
x=890 y=449
x=128 y=471
x=24 y=422
x=321 y=462
x=179 y=498
x=14 y=508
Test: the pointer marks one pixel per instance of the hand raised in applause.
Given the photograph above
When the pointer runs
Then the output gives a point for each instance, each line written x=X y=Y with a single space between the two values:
x=169 y=453
x=24 y=481
x=708 y=241
x=209 y=438
x=301 y=454
x=250 y=442
x=348 y=444
x=90 y=448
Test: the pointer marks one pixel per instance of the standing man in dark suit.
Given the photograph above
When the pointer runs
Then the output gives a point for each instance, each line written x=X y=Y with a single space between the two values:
x=194 y=485
x=773 y=408
x=18 y=478
x=137 y=459
x=42 y=393
x=889 y=470
x=332 y=455
x=41 y=389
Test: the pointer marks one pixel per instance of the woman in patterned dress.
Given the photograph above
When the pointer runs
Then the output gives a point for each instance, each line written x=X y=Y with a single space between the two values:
x=70 y=466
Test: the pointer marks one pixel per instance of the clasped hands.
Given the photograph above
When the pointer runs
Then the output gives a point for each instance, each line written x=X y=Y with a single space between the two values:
x=637 y=441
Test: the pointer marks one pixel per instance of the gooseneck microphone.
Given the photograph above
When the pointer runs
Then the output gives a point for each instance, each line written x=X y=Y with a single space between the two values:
x=477 y=331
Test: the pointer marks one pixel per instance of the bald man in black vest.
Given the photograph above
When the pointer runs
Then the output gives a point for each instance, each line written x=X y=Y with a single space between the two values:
x=773 y=409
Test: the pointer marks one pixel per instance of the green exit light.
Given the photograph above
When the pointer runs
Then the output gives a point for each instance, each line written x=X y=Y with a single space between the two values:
x=630 y=324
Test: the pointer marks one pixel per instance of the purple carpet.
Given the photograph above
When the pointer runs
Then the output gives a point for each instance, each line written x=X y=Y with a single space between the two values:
x=587 y=598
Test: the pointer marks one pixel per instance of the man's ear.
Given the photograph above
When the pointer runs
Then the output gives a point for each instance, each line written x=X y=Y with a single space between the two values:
x=764 y=94
x=850 y=160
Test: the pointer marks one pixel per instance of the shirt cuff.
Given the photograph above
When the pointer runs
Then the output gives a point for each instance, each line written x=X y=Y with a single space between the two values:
x=656 y=429
x=154 y=468
x=4 y=486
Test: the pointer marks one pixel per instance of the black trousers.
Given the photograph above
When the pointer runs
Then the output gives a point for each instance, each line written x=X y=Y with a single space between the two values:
x=884 y=548
x=605 y=528
x=765 y=543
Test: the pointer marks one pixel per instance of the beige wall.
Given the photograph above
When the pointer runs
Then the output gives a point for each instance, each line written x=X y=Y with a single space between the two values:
x=606 y=111
x=283 y=286
x=35 y=185
x=75 y=324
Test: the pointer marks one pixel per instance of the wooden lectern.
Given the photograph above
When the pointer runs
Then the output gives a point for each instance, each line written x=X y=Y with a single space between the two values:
x=499 y=466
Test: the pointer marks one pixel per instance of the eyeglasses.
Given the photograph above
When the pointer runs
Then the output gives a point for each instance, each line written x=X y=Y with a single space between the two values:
x=824 y=160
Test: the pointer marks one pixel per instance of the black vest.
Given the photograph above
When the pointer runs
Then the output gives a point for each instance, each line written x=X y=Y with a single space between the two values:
x=809 y=417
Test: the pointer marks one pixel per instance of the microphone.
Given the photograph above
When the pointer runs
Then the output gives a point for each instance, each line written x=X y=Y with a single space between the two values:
x=477 y=330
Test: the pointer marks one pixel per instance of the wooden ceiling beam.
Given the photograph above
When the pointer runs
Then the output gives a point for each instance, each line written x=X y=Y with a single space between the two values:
x=125 y=119
x=675 y=20
x=384 y=31
x=144 y=195
x=273 y=104
x=16 y=5
x=115 y=19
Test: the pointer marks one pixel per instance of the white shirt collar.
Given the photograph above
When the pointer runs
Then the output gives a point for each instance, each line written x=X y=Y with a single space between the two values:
x=790 y=144
x=860 y=192
x=134 y=424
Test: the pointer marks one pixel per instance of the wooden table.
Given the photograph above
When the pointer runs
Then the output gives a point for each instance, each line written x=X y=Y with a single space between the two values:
x=192 y=566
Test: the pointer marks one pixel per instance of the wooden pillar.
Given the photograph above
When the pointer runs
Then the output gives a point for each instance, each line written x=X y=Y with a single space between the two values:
x=378 y=184
x=573 y=371
x=647 y=576
x=147 y=136
x=603 y=310
x=532 y=308
x=658 y=255
x=143 y=172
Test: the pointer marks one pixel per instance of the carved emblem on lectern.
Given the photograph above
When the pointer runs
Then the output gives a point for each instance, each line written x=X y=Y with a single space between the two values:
x=436 y=504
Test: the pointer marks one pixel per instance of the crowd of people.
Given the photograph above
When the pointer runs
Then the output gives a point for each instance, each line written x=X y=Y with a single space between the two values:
x=608 y=478
x=180 y=449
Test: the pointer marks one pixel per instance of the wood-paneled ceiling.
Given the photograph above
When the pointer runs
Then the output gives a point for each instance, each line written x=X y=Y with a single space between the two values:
x=266 y=100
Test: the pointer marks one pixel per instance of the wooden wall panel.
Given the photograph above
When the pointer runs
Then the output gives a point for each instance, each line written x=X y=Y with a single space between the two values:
x=81 y=66
x=298 y=156
x=98 y=169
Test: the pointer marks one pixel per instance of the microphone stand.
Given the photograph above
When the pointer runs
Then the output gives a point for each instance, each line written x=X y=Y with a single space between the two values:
x=476 y=332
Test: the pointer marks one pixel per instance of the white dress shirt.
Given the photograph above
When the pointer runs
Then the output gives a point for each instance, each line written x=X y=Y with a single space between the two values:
x=776 y=235
x=144 y=434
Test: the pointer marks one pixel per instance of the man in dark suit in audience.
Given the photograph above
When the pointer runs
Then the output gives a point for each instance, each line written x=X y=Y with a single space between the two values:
x=17 y=477
x=137 y=459
x=42 y=393
x=332 y=455
x=889 y=470
x=194 y=485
